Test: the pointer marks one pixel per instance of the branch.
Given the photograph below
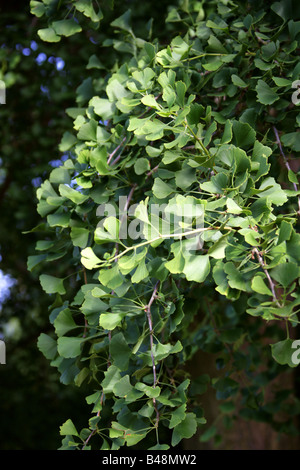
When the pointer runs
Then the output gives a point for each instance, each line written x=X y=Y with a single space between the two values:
x=149 y=317
x=152 y=171
x=85 y=320
x=94 y=431
x=271 y=283
x=159 y=237
x=204 y=149
x=110 y=156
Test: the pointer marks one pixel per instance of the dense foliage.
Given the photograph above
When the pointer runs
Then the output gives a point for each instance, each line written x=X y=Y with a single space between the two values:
x=198 y=118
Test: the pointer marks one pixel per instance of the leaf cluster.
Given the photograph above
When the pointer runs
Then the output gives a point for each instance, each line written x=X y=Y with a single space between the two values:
x=204 y=125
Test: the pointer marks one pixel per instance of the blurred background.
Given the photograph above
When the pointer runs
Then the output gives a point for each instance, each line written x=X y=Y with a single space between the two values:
x=33 y=402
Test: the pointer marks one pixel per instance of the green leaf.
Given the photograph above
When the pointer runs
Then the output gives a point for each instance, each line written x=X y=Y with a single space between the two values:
x=216 y=185
x=88 y=131
x=237 y=81
x=140 y=273
x=149 y=100
x=48 y=35
x=66 y=27
x=67 y=142
x=37 y=8
x=292 y=177
x=111 y=277
x=47 y=346
x=161 y=351
x=79 y=236
x=152 y=130
x=283 y=9
x=291 y=140
x=60 y=175
x=279 y=81
x=52 y=284
x=123 y=387
x=116 y=91
x=68 y=429
x=87 y=8
x=35 y=260
x=196 y=267
x=103 y=107
x=292 y=247
x=123 y=22
x=185 y=178
x=108 y=231
x=231 y=336
x=98 y=160
x=151 y=392
x=178 y=416
x=64 y=322
x=109 y=321
x=59 y=219
x=161 y=189
x=70 y=193
x=69 y=347
x=181 y=90
x=184 y=430
x=227 y=134
x=282 y=352
x=89 y=259
x=94 y=63
x=119 y=350
x=259 y=286
x=285 y=273
x=244 y=135
x=160 y=447
x=176 y=265
x=235 y=278
x=112 y=377
x=213 y=65
x=265 y=94
x=217 y=250
x=273 y=191
x=141 y=166
x=233 y=207
x=285 y=231
x=251 y=236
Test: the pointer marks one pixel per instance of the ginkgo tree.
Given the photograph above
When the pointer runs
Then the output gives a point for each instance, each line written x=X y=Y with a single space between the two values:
x=177 y=209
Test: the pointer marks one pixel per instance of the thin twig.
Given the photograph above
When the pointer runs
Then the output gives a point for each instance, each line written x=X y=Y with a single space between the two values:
x=151 y=171
x=110 y=156
x=94 y=431
x=129 y=197
x=149 y=317
x=271 y=283
x=164 y=236
x=85 y=320
x=204 y=149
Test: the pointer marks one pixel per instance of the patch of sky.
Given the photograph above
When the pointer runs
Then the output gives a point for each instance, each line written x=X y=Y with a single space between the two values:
x=6 y=283
x=57 y=61
x=59 y=161
x=36 y=182
x=44 y=89
x=34 y=46
x=41 y=58
x=26 y=51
